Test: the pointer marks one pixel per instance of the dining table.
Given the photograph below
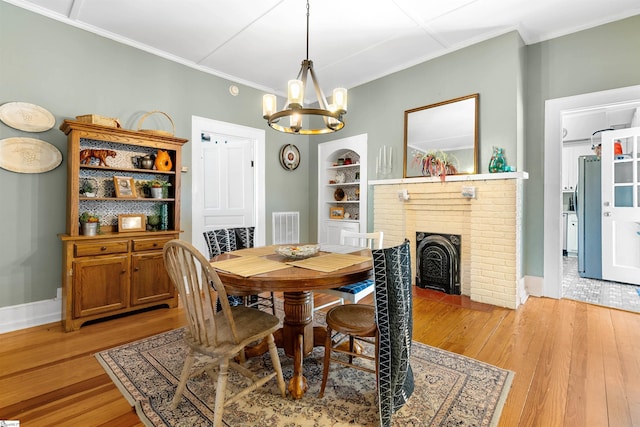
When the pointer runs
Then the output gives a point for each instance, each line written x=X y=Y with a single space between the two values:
x=261 y=269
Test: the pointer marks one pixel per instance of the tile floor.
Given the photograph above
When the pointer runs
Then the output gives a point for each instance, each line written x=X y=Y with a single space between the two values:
x=609 y=294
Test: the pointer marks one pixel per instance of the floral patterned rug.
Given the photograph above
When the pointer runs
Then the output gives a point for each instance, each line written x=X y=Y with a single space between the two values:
x=449 y=390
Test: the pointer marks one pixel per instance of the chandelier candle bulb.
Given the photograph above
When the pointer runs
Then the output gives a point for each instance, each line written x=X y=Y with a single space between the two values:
x=295 y=121
x=268 y=105
x=296 y=93
x=340 y=99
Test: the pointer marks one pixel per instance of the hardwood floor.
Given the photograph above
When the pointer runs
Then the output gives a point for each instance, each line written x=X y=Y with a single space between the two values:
x=575 y=364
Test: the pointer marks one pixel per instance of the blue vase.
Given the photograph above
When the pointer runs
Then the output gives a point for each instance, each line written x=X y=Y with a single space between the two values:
x=164 y=217
x=497 y=162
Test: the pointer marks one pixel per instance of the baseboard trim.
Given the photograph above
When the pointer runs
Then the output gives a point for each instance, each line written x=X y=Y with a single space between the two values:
x=534 y=285
x=22 y=316
x=523 y=294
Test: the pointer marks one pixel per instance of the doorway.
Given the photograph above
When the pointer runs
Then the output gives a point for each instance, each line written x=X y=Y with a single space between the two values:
x=599 y=292
x=228 y=178
x=554 y=111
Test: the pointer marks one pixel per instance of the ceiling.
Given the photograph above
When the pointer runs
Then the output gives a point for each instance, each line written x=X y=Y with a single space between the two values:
x=261 y=43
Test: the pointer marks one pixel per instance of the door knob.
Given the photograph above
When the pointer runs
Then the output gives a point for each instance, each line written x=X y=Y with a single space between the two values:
x=607 y=214
x=606 y=203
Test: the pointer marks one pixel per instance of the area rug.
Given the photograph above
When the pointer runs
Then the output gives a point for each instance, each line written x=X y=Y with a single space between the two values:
x=450 y=390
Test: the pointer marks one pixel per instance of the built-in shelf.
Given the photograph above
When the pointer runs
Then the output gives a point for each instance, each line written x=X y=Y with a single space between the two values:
x=127 y=170
x=354 y=186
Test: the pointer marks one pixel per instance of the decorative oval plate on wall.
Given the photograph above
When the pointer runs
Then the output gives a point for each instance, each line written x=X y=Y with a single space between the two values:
x=289 y=157
x=28 y=155
x=26 y=117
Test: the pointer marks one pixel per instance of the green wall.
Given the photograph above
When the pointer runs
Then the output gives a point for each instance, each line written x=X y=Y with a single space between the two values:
x=72 y=72
x=491 y=68
x=598 y=59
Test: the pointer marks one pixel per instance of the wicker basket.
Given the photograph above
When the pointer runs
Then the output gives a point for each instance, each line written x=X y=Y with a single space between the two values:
x=99 y=120
x=155 y=131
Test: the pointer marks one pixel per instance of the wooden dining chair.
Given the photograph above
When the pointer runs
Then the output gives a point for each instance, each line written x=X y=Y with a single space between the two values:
x=349 y=323
x=230 y=239
x=389 y=322
x=354 y=292
x=220 y=335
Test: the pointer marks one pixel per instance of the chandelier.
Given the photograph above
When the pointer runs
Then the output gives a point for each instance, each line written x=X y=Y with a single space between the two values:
x=331 y=114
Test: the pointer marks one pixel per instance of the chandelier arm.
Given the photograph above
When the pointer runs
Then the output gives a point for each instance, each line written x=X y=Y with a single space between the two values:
x=319 y=94
x=303 y=71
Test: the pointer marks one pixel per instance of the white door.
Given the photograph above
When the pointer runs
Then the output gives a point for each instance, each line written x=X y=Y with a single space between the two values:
x=621 y=206
x=228 y=178
x=227 y=186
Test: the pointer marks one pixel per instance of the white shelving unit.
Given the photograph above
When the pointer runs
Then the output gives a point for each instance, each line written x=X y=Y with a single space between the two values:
x=348 y=179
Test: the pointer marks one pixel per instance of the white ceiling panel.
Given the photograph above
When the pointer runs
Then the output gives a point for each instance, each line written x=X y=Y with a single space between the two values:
x=261 y=43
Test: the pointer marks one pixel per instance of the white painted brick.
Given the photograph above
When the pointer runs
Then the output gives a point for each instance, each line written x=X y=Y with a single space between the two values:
x=490 y=227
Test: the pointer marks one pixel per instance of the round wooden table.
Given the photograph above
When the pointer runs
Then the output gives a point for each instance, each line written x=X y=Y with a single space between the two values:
x=297 y=336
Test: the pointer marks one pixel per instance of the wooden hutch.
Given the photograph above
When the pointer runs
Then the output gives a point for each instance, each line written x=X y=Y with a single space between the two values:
x=117 y=271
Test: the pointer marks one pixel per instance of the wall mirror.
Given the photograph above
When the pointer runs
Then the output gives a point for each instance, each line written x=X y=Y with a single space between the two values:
x=446 y=131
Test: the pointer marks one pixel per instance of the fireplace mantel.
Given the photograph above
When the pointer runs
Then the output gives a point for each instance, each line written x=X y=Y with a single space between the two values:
x=490 y=226
x=453 y=178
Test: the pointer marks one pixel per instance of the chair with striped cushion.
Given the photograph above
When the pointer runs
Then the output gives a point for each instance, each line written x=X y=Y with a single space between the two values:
x=245 y=239
x=228 y=240
x=354 y=292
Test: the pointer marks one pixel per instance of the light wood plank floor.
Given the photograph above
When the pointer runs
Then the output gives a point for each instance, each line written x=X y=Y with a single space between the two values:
x=575 y=364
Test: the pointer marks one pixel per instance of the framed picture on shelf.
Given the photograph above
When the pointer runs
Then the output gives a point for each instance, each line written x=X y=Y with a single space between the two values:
x=125 y=186
x=131 y=222
x=336 y=212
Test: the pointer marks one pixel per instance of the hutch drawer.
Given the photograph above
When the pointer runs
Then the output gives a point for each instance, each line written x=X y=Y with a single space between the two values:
x=101 y=248
x=149 y=244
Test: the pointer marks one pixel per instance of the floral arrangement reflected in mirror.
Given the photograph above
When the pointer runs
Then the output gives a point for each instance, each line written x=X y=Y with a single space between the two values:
x=435 y=163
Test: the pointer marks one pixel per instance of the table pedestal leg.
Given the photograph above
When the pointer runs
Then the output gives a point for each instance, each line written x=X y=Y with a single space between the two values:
x=297 y=334
x=298 y=383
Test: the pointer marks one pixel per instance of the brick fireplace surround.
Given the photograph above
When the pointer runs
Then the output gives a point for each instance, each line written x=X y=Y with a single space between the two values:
x=490 y=225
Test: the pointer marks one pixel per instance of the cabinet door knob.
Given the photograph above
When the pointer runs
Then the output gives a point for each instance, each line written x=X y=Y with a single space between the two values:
x=103 y=248
x=155 y=245
x=136 y=269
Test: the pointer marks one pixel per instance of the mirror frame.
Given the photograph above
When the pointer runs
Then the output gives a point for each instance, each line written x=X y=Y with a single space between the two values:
x=454 y=123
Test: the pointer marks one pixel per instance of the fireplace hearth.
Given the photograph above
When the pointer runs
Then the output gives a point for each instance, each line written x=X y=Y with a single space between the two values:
x=438 y=262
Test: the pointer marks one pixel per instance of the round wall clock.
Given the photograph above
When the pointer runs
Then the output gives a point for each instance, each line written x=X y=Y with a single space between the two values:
x=289 y=157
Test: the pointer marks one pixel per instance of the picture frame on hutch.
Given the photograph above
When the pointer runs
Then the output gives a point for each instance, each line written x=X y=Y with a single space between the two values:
x=131 y=222
x=125 y=187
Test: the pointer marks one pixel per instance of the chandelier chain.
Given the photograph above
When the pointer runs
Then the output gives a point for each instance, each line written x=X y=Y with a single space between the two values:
x=307 y=30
